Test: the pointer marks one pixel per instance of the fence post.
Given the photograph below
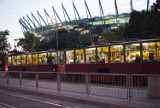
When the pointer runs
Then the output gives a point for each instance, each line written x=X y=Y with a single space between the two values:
x=7 y=74
x=153 y=87
x=37 y=80
x=87 y=84
x=129 y=79
x=59 y=82
x=20 y=78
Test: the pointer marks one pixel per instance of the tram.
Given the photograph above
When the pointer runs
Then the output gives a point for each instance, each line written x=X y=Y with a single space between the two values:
x=130 y=57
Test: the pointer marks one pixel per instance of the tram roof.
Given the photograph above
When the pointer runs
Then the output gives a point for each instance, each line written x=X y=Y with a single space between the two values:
x=141 y=40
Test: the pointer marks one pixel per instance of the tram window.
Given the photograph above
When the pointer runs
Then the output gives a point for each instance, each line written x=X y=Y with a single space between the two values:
x=102 y=54
x=117 y=55
x=132 y=50
x=35 y=59
x=149 y=52
x=91 y=55
x=23 y=60
x=53 y=58
x=42 y=58
x=14 y=60
x=61 y=57
x=9 y=61
x=70 y=57
x=18 y=60
x=158 y=51
x=29 y=59
x=79 y=56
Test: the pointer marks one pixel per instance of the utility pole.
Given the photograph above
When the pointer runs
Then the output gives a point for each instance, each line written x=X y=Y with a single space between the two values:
x=56 y=34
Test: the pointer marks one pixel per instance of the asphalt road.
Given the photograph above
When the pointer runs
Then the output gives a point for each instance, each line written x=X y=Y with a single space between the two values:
x=13 y=99
x=2 y=106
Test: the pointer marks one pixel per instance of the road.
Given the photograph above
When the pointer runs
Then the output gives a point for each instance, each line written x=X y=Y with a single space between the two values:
x=12 y=99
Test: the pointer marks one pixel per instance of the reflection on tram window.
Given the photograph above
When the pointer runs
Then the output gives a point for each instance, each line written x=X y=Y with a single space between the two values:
x=91 y=55
x=9 y=61
x=52 y=58
x=35 y=59
x=158 y=51
x=70 y=57
x=102 y=54
x=42 y=58
x=149 y=52
x=14 y=60
x=131 y=50
x=18 y=60
x=29 y=59
x=23 y=60
x=79 y=56
x=117 y=55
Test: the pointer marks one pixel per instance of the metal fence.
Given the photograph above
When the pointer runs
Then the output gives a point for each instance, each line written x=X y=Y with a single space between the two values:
x=97 y=86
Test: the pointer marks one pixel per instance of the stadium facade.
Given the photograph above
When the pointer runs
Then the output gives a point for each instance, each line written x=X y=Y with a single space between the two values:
x=45 y=26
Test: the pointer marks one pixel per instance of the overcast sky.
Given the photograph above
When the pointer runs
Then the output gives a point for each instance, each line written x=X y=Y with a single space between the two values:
x=12 y=10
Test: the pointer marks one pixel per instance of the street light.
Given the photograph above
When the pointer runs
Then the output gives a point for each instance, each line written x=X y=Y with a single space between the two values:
x=56 y=33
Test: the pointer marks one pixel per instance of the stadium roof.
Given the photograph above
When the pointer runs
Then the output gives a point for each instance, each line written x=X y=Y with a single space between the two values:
x=41 y=23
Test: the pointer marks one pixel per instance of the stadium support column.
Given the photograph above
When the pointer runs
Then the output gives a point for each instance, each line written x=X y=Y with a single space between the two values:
x=147 y=5
x=116 y=9
x=131 y=5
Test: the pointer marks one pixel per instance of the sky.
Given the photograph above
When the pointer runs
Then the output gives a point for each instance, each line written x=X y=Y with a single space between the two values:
x=12 y=10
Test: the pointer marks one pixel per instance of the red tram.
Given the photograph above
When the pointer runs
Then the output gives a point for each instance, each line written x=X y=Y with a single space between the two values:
x=138 y=57
x=132 y=57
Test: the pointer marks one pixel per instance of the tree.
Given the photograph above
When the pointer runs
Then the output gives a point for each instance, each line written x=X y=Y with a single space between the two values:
x=73 y=39
x=29 y=42
x=70 y=39
x=44 y=45
x=144 y=24
x=108 y=37
x=4 y=45
x=156 y=6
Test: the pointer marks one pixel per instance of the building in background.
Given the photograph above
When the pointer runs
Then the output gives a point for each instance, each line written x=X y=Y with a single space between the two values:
x=45 y=26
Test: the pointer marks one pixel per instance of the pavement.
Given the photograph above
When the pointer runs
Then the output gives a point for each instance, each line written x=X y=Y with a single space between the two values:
x=111 y=103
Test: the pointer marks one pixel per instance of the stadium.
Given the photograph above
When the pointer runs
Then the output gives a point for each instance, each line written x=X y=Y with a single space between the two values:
x=45 y=25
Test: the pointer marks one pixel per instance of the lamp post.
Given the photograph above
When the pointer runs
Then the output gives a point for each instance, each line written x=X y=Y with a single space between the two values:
x=56 y=34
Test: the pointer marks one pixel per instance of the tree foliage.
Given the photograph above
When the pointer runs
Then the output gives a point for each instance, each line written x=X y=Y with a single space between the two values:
x=144 y=24
x=29 y=42
x=71 y=39
x=66 y=40
x=4 y=45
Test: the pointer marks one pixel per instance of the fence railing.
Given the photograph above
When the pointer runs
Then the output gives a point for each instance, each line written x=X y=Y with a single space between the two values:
x=129 y=87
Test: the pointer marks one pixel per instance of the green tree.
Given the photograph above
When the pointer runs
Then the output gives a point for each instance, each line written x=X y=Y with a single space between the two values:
x=70 y=39
x=29 y=42
x=4 y=45
x=44 y=45
x=73 y=39
x=85 y=39
x=108 y=37
x=144 y=24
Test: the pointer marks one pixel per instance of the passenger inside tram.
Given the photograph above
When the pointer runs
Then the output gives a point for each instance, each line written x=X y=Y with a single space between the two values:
x=117 y=60
x=137 y=60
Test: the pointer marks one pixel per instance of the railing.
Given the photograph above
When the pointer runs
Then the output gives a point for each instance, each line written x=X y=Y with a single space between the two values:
x=97 y=86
